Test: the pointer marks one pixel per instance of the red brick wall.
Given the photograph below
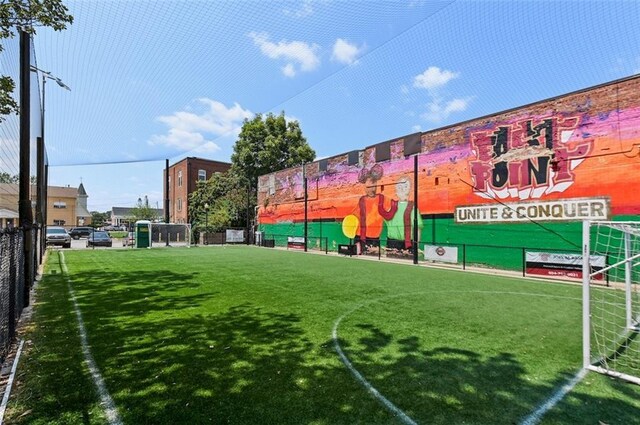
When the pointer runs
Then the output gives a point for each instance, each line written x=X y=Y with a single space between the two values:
x=189 y=168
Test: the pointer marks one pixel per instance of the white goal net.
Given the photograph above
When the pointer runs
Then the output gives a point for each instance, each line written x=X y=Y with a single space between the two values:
x=611 y=298
x=171 y=234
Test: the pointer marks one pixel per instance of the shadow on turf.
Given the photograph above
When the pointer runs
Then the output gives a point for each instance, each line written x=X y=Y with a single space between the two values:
x=450 y=385
x=247 y=365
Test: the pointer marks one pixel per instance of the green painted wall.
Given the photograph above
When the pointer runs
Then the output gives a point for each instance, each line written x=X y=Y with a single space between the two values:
x=488 y=245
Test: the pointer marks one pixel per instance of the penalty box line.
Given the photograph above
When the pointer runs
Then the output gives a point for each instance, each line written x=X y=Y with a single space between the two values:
x=106 y=401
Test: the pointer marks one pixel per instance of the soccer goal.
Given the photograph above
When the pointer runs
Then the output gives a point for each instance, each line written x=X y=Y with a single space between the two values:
x=171 y=234
x=611 y=298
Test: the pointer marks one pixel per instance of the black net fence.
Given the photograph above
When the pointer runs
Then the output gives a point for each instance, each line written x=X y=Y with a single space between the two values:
x=23 y=161
x=13 y=285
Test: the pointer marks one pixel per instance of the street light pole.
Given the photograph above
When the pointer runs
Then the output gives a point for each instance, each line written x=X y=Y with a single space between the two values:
x=41 y=177
x=206 y=223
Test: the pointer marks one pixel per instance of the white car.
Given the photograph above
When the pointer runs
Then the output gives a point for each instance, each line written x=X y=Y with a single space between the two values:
x=58 y=236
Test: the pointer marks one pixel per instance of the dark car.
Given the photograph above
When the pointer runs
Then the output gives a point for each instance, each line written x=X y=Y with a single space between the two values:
x=99 y=239
x=81 y=232
x=58 y=236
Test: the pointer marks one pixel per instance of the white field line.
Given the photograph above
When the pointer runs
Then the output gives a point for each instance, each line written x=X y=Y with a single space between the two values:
x=106 y=401
x=537 y=415
x=361 y=379
x=534 y=417
x=7 y=391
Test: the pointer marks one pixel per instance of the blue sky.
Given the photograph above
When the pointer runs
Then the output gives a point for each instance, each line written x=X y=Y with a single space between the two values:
x=165 y=79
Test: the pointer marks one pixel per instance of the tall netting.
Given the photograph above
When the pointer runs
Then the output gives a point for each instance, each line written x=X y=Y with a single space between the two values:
x=612 y=299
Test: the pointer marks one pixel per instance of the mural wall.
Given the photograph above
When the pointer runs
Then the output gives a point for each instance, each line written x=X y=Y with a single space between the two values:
x=580 y=146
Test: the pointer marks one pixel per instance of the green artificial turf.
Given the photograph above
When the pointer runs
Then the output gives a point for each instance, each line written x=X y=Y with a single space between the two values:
x=244 y=335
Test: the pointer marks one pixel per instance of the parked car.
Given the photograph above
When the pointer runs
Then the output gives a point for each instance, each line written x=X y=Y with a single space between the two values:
x=81 y=232
x=58 y=236
x=129 y=240
x=99 y=239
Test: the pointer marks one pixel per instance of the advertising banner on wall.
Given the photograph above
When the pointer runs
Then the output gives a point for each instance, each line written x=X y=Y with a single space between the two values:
x=561 y=265
x=295 y=242
x=235 y=236
x=557 y=210
x=447 y=254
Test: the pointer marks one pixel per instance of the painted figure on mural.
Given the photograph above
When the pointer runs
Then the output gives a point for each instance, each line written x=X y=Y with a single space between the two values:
x=372 y=209
x=400 y=223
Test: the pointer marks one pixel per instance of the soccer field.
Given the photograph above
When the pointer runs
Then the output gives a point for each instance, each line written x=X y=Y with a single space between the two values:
x=252 y=335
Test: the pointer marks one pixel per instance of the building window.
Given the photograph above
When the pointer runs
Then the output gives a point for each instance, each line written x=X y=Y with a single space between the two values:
x=179 y=204
x=179 y=178
x=58 y=222
x=60 y=205
x=202 y=175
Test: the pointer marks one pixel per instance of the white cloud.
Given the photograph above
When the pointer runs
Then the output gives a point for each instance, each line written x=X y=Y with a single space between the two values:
x=404 y=89
x=437 y=110
x=189 y=130
x=289 y=70
x=433 y=78
x=302 y=12
x=416 y=128
x=299 y=56
x=345 y=52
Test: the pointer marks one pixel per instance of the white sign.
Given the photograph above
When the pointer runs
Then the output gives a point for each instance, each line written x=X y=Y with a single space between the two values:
x=235 y=236
x=447 y=254
x=566 y=259
x=556 y=264
x=558 y=210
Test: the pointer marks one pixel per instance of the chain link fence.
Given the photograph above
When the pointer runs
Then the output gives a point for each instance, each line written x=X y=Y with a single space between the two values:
x=13 y=285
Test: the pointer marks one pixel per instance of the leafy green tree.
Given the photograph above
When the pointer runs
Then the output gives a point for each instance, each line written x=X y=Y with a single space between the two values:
x=26 y=14
x=265 y=144
x=143 y=211
x=220 y=202
x=268 y=144
x=98 y=219
x=8 y=178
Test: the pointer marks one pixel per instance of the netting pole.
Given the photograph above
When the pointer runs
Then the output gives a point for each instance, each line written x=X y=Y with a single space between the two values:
x=586 y=271
x=24 y=202
x=627 y=278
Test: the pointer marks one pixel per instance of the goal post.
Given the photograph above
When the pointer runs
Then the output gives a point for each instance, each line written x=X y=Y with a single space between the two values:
x=611 y=298
x=171 y=234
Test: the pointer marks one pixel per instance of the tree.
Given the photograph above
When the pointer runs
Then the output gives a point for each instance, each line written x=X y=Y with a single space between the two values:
x=26 y=14
x=98 y=219
x=8 y=178
x=225 y=194
x=268 y=145
x=143 y=211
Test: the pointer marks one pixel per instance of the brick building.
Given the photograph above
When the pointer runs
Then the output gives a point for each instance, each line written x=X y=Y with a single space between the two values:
x=183 y=179
x=510 y=179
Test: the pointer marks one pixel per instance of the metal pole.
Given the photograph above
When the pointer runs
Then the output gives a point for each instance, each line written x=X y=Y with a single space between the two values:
x=306 y=224
x=24 y=203
x=205 y=240
x=248 y=211
x=586 y=270
x=39 y=192
x=415 y=209
x=166 y=199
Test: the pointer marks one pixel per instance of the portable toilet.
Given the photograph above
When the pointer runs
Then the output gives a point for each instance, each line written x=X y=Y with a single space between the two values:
x=143 y=234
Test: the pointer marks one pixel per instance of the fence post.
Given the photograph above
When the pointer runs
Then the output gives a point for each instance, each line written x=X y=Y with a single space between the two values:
x=464 y=256
x=524 y=262
x=326 y=245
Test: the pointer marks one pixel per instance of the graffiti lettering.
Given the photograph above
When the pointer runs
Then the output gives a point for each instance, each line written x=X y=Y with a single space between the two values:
x=518 y=156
